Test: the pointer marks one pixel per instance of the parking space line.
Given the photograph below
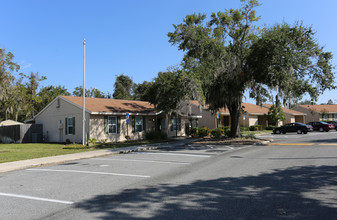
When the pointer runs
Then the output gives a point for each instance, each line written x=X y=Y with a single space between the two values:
x=231 y=148
x=287 y=144
x=36 y=198
x=90 y=172
x=145 y=161
x=175 y=154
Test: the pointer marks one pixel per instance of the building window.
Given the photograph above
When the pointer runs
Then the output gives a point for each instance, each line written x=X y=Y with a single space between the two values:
x=138 y=124
x=112 y=125
x=70 y=125
x=176 y=124
x=334 y=116
x=325 y=116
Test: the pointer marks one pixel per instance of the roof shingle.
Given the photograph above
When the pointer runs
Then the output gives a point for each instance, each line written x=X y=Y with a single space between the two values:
x=322 y=108
x=286 y=110
x=249 y=108
x=102 y=105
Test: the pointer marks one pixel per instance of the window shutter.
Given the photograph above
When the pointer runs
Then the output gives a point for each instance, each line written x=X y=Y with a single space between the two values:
x=66 y=126
x=106 y=129
x=74 y=125
x=133 y=124
x=144 y=123
x=118 y=125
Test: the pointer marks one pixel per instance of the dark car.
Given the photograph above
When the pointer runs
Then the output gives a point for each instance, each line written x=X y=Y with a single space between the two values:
x=292 y=127
x=310 y=128
x=333 y=122
x=321 y=126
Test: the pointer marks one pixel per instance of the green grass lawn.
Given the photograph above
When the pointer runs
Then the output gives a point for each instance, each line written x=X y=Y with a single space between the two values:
x=257 y=132
x=15 y=152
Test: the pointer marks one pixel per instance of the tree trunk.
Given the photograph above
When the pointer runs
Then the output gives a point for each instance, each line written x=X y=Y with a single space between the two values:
x=235 y=112
x=277 y=101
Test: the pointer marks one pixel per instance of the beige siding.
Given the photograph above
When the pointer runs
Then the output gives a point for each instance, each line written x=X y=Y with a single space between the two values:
x=289 y=118
x=311 y=115
x=51 y=116
x=244 y=122
x=97 y=129
x=253 y=120
x=328 y=116
x=179 y=133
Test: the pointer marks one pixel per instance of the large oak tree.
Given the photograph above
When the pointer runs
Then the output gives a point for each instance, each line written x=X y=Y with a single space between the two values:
x=228 y=55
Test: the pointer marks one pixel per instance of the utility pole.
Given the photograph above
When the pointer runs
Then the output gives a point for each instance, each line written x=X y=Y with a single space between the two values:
x=83 y=133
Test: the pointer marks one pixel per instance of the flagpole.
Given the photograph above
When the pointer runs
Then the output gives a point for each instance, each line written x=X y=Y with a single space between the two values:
x=83 y=125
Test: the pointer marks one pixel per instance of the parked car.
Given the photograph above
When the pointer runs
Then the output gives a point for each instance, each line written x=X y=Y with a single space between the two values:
x=321 y=126
x=333 y=122
x=310 y=128
x=292 y=127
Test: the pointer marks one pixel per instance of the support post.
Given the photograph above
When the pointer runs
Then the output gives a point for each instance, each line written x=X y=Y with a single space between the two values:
x=83 y=125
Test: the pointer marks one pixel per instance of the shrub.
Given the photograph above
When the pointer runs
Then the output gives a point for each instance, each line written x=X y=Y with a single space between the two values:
x=244 y=128
x=155 y=135
x=217 y=132
x=204 y=131
x=270 y=127
x=103 y=141
x=226 y=130
x=194 y=132
x=92 y=140
x=255 y=128
x=68 y=141
x=275 y=114
x=250 y=136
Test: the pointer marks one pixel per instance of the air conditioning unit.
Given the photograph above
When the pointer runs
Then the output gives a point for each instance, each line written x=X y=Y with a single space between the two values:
x=60 y=124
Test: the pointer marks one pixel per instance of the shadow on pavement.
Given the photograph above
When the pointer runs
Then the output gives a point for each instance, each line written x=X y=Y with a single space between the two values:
x=294 y=193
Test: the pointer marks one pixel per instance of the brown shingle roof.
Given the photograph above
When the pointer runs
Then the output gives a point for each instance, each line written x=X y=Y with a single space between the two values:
x=258 y=110
x=322 y=108
x=286 y=110
x=249 y=108
x=112 y=105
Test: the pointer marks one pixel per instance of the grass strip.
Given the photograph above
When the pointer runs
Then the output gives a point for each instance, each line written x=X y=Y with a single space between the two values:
x=16 y=152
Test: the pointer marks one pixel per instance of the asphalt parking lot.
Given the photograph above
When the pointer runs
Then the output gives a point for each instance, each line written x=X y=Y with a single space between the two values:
x=135 y=185
x=41 y=192
x=310 y=136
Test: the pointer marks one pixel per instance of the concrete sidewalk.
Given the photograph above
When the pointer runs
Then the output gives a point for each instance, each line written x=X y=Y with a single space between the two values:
x=24 y=164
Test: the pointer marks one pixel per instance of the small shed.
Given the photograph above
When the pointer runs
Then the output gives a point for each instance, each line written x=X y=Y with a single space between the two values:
x=10 y=122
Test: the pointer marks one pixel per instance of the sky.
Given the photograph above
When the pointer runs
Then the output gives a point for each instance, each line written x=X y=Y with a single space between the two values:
x=130 y=36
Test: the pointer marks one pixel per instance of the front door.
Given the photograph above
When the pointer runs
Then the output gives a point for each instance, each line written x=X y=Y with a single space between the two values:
x=158 y=124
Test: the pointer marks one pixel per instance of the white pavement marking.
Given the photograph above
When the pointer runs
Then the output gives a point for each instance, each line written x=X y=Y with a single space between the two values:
x=103 y=165
x=232 y=148
x=145 y=161
x=175 y=154
x=36 y=198
x=89 y=172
